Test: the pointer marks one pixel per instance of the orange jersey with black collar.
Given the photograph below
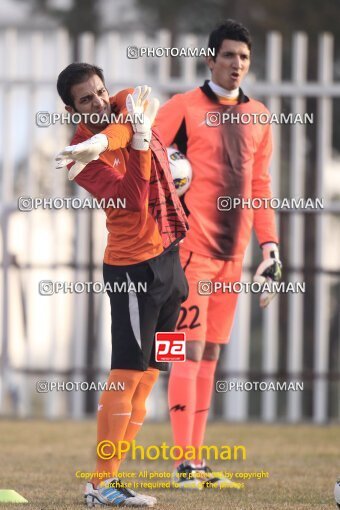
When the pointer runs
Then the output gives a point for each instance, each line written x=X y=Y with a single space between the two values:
x=228 y=160
x=153 y=219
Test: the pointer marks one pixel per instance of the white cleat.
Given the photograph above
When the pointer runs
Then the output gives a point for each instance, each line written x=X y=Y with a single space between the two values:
x=112 y=492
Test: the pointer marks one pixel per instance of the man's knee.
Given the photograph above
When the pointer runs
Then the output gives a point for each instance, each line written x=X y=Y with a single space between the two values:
x=211 y=351
x=194 y=350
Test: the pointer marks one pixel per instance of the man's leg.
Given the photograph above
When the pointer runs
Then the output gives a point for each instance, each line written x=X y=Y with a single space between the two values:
x=193 y=321
x=204 y=388
x=132 y=329
x=139 y=398
x=114 y=413
x=182 y=395
x=115 y=410
x=220 y=317
x=134 y=318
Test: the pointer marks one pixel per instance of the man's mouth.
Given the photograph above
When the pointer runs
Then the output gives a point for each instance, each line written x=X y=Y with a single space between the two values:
x=100 y=114
x=235 y=75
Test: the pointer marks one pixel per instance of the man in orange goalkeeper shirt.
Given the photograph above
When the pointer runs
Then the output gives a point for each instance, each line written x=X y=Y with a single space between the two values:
x=141 y=248
x=227 y=160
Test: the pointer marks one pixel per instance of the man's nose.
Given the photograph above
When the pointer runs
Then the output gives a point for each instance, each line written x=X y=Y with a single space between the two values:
x=98 y=102
x=237 y=63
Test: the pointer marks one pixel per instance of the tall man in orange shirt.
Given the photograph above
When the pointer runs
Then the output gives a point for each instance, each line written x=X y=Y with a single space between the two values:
x=227 y=160
x=141 y=249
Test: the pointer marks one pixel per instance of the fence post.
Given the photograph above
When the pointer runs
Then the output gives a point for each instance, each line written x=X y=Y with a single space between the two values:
x=322 y=283
x=270 y=314
x=296 y=231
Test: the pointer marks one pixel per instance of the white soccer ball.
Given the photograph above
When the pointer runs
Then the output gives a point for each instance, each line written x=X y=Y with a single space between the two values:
x=180 y=169
x=337 y=493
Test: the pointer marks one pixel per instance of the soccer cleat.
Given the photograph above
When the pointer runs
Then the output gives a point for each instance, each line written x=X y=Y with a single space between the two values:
x=213 y=479
x=111 y=493
x=184 y=477
x=152 y=499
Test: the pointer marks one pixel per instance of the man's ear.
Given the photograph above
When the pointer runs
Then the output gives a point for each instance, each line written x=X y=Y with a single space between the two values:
x=70 y=109
x=210 y=62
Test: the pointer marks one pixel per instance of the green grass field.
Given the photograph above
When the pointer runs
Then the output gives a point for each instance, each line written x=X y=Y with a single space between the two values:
x=39 y=460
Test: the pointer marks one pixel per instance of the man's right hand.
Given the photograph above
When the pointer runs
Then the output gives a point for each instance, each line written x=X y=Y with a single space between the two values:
x=82 y=153
x=137 y=104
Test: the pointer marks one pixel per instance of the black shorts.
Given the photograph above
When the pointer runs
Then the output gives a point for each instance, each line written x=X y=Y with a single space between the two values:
x=145 y=298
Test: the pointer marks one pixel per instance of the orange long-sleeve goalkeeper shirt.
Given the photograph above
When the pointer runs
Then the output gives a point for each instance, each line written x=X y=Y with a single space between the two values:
x=153 y=218
x=227 y=160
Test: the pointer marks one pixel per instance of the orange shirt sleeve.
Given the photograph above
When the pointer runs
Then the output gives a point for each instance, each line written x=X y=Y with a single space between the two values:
x=264 y=217
x=170 y=118
x=104 y=182
x=119 y=135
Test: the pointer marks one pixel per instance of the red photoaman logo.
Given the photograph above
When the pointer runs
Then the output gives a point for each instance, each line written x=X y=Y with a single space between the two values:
x=170 y=346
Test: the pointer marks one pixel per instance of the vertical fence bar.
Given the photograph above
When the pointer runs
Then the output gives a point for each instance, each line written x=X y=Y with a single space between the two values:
x=8 y=164
x=113 y=54
x=322 y=284
x=164 y=66
x=8 y=169
x=87 y=47
x=5 y=330
x=188 y=64
x=35 y=40
x=80 y=301
x=296 y=224
x=60 y=138
x=270 y=337
x=59 y=179
x=139 y=65
x=236 y=408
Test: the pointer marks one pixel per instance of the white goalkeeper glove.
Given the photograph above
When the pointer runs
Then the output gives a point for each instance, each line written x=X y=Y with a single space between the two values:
x=82 y=153
x=269 y=271
x=136 y=104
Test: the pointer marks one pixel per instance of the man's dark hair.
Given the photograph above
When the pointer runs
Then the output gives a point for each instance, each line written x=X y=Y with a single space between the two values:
x=230 y=29
x=75 y=73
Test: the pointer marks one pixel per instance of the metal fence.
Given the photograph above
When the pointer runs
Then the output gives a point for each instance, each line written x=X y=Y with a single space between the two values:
x=44 y=337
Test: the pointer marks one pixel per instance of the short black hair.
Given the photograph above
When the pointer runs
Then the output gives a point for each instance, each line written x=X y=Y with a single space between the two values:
x=75 y=73
x=230 y=29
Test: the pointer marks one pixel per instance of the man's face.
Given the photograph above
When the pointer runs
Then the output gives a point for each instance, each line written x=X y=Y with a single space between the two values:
x=231 y=64
x=91 y=97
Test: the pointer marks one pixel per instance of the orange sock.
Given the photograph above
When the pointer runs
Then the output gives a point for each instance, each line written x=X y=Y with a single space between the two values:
x=182 y=402
x=204 y=387
x=139 y=398
x=142 y=392
x=114 y=412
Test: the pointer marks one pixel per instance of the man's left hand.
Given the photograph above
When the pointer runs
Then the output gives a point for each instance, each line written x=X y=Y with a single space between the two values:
x=269 y=271
x=82 y=154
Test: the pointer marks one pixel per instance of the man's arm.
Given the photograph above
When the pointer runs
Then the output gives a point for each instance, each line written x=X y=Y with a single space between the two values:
x=90 y=150
x=264 y=218
x=119 y=135
x=104 y=182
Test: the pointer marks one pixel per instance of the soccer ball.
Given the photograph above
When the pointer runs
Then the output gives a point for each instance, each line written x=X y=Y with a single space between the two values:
x=337 y=493
x=180 y=169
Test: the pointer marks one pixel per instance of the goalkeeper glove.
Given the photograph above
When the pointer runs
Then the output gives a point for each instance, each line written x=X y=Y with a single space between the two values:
x=269 y=271
x=82 y=153
x=136 y=105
